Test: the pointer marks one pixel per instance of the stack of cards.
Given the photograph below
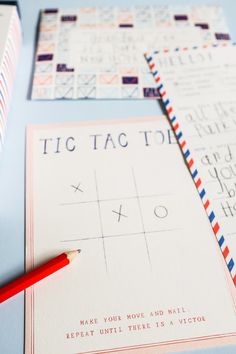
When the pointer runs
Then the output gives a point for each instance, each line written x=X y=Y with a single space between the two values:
x=10 y=40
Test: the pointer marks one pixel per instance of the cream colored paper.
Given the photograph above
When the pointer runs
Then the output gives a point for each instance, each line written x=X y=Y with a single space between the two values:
x=201 y=87
x=150 y=276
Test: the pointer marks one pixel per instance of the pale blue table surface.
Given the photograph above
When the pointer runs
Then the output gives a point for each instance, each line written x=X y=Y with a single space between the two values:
x=12 y=158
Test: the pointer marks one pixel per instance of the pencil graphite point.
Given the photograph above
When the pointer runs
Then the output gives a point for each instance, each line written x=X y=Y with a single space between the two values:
x=72 y=254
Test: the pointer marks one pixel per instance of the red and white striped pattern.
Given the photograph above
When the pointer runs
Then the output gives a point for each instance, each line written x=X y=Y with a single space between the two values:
x=8 y=69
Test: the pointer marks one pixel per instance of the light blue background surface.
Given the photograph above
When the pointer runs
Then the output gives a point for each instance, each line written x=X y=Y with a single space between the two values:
x=12 y=158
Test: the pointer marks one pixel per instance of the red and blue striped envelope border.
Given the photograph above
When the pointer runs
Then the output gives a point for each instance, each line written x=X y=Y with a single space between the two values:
x=173 y=118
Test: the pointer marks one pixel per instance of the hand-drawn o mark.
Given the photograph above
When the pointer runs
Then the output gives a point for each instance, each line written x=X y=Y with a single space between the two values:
x=119 y=213
x=160 y=211
x=77 y=188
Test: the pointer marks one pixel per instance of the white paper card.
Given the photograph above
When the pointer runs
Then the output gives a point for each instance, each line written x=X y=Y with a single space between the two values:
x=201 y=87
x=123 y=195
x=97 y=52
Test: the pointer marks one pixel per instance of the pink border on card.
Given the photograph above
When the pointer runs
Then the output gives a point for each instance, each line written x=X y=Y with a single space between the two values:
x=163 y=347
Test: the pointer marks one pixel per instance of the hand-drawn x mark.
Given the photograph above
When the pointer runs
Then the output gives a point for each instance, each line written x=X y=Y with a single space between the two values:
x=77 y=188
x=119 y=213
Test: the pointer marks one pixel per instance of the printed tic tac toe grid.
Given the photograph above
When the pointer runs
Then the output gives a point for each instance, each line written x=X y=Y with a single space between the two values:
x=98 y=52
x=129 y=214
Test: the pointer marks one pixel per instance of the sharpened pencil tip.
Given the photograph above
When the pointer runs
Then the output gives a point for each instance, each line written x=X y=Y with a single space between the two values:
x=72 y=254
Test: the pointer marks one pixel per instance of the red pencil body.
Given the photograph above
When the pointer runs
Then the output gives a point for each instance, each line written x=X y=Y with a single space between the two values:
x=34 y=276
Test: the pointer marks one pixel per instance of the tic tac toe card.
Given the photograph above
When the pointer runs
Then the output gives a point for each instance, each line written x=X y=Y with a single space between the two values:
x=98 y=52
x=198 y=88
x=150 y=276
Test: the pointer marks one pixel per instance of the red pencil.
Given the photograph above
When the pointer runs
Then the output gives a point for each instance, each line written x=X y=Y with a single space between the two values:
x=36 y=275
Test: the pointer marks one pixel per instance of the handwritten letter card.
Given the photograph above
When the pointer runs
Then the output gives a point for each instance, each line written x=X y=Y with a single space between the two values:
x=198 y=88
